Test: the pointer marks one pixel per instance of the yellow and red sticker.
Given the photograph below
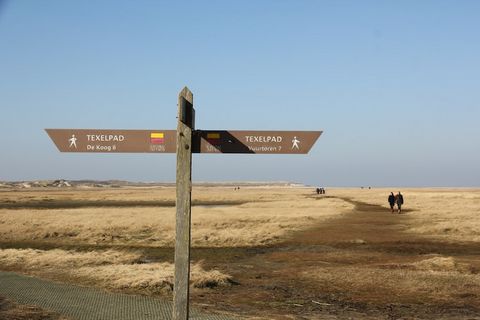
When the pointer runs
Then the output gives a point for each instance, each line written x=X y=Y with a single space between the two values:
x=157 y=138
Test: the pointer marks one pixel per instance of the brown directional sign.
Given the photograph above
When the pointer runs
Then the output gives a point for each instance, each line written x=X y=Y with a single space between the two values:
x=112 y=141
x=164 y=141
x=268 y=142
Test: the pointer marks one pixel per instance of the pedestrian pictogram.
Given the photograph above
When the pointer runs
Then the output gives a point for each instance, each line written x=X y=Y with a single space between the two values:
x=184 y=141
x=73 y=142
x=295 y=143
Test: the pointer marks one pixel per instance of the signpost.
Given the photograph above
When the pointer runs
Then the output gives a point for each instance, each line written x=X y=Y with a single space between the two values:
x=185 y=127
x=184 y=141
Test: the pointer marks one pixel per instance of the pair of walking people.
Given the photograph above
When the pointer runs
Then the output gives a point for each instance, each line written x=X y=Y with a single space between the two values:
x=395 y=199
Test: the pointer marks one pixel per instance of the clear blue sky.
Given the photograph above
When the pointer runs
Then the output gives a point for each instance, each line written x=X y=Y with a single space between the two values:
x=395 y=85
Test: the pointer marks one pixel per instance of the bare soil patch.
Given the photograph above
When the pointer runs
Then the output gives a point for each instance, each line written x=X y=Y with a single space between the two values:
x=75 y=204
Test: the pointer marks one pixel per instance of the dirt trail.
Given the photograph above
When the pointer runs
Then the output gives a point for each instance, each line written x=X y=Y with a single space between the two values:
x=367 y=222
x=366 y=241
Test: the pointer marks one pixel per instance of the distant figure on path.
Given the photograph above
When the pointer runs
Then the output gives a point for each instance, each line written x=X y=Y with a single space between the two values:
x=391 y=201
x=399 y=199
x=318 y=190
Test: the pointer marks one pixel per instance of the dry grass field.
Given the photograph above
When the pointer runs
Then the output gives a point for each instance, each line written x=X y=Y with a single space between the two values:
x=146 y=217
x=264 y=252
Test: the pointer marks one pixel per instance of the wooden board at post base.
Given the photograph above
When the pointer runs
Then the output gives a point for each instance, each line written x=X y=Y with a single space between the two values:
x=164 y=141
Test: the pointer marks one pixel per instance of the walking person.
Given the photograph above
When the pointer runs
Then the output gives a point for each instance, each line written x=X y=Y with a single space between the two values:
x=73 y=141
x=295 y=142
x=399 y=199
x=391 y=201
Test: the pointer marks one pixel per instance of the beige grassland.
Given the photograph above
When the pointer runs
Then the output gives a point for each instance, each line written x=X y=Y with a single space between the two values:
x=106 y=268
x=266 y=216
x=282 y=244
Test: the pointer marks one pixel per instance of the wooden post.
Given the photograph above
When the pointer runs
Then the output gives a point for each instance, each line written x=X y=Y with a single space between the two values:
x=185 y=127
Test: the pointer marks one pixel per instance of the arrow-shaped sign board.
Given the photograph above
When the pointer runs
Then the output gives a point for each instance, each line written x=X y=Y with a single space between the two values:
x=268 y=142
x=113 y=141
x=164 y=141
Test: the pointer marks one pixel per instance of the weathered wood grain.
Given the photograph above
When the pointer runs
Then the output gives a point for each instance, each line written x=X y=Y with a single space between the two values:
x=183 y=205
